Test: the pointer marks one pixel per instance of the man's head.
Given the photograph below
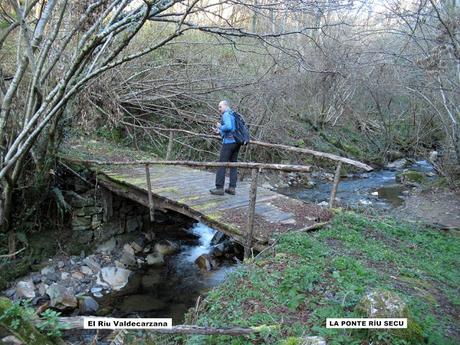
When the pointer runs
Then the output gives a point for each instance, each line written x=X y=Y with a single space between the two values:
x=223 y=106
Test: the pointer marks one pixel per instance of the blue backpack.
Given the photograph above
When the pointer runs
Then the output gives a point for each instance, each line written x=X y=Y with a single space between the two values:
x=241 y=133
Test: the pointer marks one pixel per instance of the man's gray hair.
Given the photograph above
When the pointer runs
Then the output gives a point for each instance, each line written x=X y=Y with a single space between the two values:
x=225 y=102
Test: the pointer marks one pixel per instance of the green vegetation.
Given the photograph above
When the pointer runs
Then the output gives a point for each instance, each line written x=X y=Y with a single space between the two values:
x=51 y=326
x=313 y=276
x=104 y=150
x=39 y=248
x=18 y=318
x=113 y=134
x=410 y=176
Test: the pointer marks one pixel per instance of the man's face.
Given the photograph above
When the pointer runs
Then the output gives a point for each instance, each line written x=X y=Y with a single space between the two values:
x=222 y=108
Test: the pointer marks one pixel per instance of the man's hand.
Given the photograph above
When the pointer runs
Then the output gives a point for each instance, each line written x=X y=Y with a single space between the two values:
x=217 y=129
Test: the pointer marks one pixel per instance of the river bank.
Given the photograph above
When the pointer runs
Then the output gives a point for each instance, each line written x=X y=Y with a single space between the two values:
x=132 y=275
x=410 y=190
x=307 y=278
x=383 y=189
x=290 y=290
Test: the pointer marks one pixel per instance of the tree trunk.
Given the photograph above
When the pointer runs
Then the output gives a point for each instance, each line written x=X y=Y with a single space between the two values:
x=457 y=142
x=5 y=213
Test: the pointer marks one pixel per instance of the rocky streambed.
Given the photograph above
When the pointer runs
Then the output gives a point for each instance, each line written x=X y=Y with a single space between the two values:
x=144 y=274
x=383 y=189
x=113 y=261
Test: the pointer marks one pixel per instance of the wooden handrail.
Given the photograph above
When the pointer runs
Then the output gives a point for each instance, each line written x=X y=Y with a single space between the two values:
x=243 y=165
x=149 y=192
x=315 y=153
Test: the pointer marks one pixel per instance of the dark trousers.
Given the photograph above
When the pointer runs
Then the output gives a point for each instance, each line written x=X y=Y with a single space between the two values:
x=228 y=153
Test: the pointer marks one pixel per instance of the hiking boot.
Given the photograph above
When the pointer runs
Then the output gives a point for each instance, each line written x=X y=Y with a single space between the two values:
x=230 y=190
x=217 y=191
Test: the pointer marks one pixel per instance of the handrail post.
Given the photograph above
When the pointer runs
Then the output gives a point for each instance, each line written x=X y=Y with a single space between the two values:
x=335 y=184
x=149 y=192
x=251 y=212
x=170 y=145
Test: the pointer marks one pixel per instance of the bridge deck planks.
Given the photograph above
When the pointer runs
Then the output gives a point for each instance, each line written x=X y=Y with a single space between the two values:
x=188 y=188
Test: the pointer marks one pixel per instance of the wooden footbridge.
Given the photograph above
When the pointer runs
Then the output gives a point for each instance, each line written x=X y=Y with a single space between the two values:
x=252 y=217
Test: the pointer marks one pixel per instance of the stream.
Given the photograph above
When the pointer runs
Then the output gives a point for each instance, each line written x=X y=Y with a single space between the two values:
x=167 y=291
x=377 y=189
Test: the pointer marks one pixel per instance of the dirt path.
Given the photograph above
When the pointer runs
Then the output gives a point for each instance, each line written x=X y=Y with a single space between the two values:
x=436 y=207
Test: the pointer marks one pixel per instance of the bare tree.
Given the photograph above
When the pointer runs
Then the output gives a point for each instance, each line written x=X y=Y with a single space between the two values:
x=432 y=34
x=59 y=55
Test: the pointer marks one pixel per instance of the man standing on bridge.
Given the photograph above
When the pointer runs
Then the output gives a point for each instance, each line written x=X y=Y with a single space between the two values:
x=229 y=149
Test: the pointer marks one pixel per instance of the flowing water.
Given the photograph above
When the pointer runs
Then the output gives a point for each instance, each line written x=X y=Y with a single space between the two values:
x=163 y=292
x=377 y=189
x=170 y=290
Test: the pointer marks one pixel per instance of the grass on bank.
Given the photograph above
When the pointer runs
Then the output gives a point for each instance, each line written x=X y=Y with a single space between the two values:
x=313 y=276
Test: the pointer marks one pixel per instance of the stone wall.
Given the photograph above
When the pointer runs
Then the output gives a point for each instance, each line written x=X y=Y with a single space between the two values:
x=97 y=214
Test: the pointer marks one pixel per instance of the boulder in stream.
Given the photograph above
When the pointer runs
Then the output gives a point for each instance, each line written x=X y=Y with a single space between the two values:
x=87 y=305
x=129 y=260
x=116 y=277
x=61 y=297
x=218 y=238
x=86 y=270
x=97 y=291
x=166 y=247
x=155 y=259
x=91 y=262
x=128 y=249
x=42 y=288
x=25 y=289
x=77 y=275
x=47 y=270
x=138 y=245
x=398 y=164
x=36 y=278
x=218 y=250
x=205 y=262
